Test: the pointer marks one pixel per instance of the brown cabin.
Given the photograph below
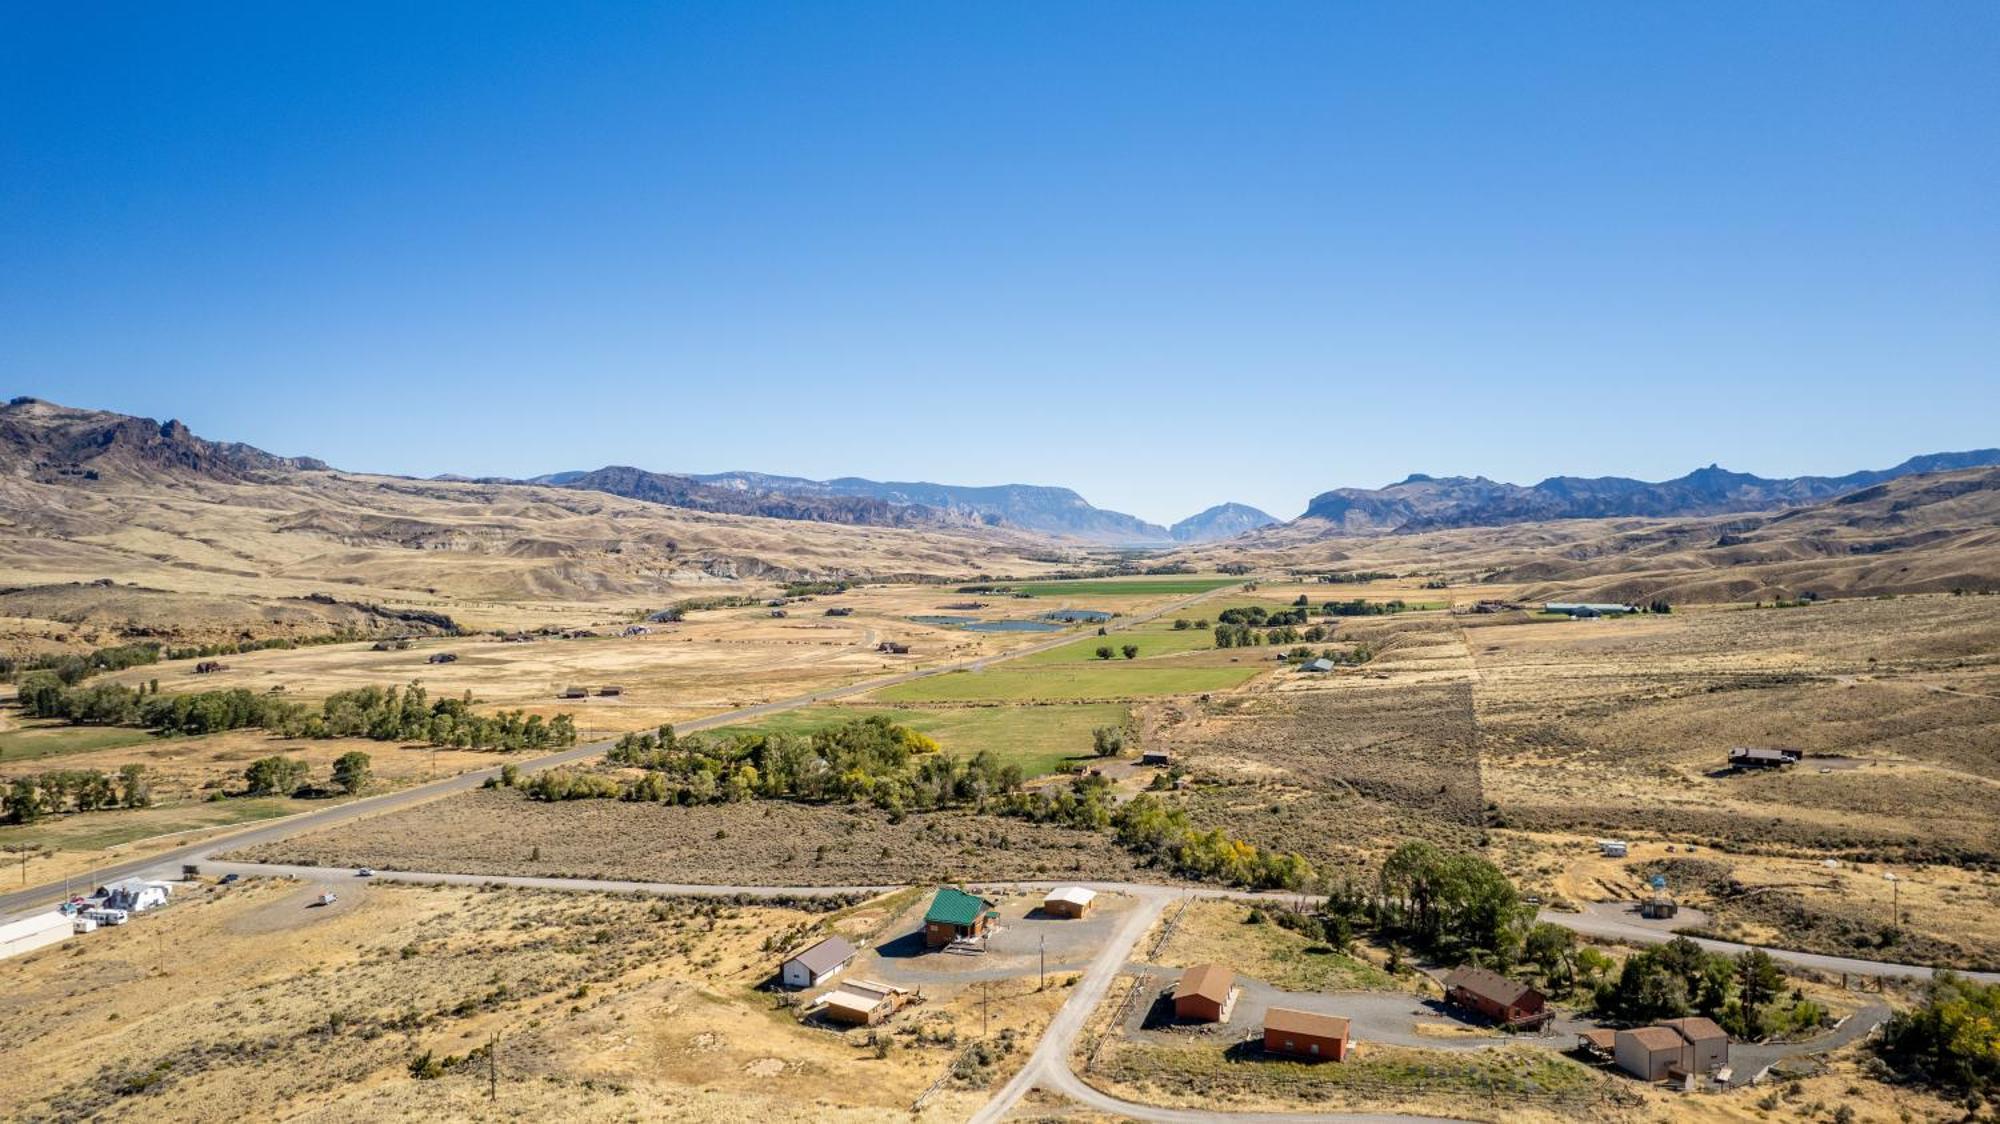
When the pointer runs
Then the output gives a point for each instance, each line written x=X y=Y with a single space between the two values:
x=1202 y=995
x=575 y=693
x=1507 y=1002
x=610 y=692
x=1302 y=1034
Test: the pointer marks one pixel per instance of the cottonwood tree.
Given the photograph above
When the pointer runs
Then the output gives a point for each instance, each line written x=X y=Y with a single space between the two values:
x=351 y=771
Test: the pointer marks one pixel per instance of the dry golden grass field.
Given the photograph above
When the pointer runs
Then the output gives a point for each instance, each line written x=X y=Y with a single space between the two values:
x=251 y=1000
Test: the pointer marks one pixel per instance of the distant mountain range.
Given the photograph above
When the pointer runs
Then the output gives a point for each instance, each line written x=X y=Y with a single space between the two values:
x=1223 y=521
x=1424 y=503
x=49 y=443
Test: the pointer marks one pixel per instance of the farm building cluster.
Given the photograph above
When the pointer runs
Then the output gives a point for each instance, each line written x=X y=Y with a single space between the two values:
x=113 y=903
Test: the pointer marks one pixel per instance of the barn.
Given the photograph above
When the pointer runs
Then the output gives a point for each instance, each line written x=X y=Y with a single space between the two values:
x=1203 y=993
x=31 y=933
x=1302 y=1034
x=1649 y=1052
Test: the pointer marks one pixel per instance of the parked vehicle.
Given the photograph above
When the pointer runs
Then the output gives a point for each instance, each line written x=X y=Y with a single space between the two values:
x=327 y=898
x=228 y=878
x=105 y=916
x=365 y=872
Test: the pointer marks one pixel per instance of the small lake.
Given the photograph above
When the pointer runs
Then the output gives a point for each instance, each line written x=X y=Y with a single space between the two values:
x=974 y=624
x=1077 y=616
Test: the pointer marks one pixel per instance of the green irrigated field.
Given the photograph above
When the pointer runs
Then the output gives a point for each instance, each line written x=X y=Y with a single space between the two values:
x=1153 y=640
x=37 y=742
x=1037 y=738
x=95 y=831
x=1117 y=679
x=1124 y=587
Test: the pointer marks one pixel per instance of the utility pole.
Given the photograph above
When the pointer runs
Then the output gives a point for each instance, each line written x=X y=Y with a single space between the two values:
x=1895 y=900
x=1043 y=985
x=493 y=1066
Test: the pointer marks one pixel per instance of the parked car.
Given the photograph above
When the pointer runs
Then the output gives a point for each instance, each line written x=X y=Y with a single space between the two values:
x=365 y=872
x=228 y=878
x=107 y=916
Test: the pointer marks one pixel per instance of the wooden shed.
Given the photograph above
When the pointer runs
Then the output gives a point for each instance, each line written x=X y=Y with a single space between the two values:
x=1303 y=1034
x=1202 y=995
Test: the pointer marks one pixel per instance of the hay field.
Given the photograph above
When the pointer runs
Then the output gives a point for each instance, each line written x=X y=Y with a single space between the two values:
x=1040 y=739
x=249 y=1001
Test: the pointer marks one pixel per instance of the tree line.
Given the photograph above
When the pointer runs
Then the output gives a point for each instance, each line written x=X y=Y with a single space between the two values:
x=1161 y=835
x=26 y=799
x=379 y=713
x=866 y=760
x=71 y=669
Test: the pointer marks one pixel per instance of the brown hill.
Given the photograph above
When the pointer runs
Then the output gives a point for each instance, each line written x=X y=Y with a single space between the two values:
x=1924 y=533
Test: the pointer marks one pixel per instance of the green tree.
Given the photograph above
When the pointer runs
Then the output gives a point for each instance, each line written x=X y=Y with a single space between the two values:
x=1131 y=651
x=275 y=775
x=351 y=771
x=1108 y=741
x=1758 y=982
x=1104 y=651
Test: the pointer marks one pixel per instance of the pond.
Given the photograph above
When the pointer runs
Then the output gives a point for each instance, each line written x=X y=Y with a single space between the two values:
x=974 y=624
x=1077 y=616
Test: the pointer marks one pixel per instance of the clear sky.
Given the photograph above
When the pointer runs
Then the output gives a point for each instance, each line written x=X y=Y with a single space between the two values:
x=1167 y=254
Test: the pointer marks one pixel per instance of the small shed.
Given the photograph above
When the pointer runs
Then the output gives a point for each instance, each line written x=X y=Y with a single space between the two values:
x=1319 y=666
x=574 y=693
x=955 y=915
x=1154 y=757
x=1069 y=901
x=1507 y=1002
x=610 y=692
x=1649 y=1052
x=862 y=1002
x=1303 y=1034
x=1203 y=993
x=821 y=961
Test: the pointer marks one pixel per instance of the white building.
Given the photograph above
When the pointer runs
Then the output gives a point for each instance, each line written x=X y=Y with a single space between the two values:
x=817 y=963
x=38 y=931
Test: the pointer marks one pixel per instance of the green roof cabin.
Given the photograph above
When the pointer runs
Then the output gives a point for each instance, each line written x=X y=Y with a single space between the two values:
x=955 y=915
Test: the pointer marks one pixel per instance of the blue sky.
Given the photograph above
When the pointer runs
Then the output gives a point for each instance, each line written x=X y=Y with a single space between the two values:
x=1166 y=254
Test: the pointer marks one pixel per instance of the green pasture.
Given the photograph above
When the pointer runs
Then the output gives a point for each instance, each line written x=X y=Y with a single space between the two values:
x=1123 y=587
x=1037 y=738
x=36 y=742
x=1096 y=679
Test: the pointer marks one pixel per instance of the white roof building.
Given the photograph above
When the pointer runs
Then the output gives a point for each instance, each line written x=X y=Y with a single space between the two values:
x=37 y=931
x=1071 y=895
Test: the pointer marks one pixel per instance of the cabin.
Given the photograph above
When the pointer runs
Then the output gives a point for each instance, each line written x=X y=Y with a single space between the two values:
x=862 y=1002
x=441 y=657
x=610 y=692
x=1154 y=757
x=1203 y=994
x=1745 y=757
x=840 y=611
x=1069 y=901
x=822 y=961
x=1302 y=1034
x=574 y=693
x=1659 y=907
x=1507 y=1002
x=955 y=915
